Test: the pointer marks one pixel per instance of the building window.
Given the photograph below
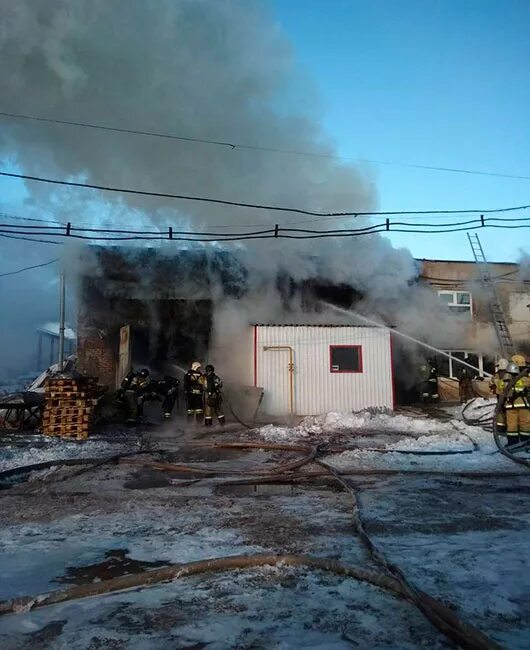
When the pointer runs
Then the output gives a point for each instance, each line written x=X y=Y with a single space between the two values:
x=345 y=358
x=449 y=366
x=459 y=302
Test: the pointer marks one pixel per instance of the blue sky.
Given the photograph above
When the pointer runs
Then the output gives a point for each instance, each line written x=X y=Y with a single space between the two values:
x=443 y=83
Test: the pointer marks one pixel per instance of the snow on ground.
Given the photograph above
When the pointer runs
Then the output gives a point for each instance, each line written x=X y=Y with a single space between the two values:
x=323 y=426
x=268 y=607
x=42 y=449
x=263 y=608
x=35 y=554
x=486 y=458
x=397 y=432
x=462 y=539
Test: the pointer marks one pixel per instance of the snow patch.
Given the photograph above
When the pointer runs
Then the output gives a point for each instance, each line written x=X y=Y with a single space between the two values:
x=49 y=449
x=324 y=426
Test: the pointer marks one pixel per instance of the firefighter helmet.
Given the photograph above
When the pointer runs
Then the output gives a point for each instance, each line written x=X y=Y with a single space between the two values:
x=502 y=364
x=512 y=368
x=144 y=373
x=195 y=365
x=209 y=368
x=519 y=359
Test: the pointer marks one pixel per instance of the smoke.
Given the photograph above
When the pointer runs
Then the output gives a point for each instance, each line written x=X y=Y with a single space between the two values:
x=209 y=69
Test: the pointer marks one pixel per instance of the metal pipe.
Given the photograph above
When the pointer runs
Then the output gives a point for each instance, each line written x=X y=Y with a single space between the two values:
x=291 y=370
x=62 y=301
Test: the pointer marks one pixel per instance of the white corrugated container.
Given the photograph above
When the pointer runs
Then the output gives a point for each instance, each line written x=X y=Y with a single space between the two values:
x=312 y=386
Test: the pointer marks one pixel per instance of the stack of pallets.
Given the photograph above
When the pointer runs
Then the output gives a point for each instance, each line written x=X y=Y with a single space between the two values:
x=68 y=406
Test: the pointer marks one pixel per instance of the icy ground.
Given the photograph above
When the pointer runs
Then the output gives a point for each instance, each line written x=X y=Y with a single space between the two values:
x=376 y=435
x=40 y=449
x=463 y=539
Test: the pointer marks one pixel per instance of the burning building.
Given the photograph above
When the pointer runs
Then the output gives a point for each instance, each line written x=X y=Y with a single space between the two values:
x=204 y=303
x=169 y=305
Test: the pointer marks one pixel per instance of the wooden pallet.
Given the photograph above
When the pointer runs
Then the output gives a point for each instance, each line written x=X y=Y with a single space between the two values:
x=66 y=394
x=67 y=431
x=75 y=410
x=65 y=423
x=57 y=402
x=69 y=406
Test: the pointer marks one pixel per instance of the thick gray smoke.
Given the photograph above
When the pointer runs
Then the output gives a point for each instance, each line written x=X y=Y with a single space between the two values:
x=209 y=69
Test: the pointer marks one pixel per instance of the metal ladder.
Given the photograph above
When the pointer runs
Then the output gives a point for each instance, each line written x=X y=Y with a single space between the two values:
x=497 y=312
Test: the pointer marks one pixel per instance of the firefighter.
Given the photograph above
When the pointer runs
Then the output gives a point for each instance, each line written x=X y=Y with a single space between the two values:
x=166 y=391
x=213 y=398
x=465 y=385
x=429 y=384
x=133 y=391
x=520 y=360
x=193 y=391
x=497 y=386
x=517 y=404
x=170 y=391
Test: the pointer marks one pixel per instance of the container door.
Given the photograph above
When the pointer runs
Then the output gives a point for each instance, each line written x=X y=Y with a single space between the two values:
x=275 y=378
x=124 y=354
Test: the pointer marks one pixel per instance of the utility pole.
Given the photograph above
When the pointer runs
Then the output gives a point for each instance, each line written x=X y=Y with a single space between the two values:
x=62 y=301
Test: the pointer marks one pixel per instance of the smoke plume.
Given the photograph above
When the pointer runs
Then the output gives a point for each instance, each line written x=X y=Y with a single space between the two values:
x=208 y=69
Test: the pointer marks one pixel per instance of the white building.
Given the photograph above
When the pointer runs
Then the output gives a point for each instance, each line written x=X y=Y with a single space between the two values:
x=314 y=369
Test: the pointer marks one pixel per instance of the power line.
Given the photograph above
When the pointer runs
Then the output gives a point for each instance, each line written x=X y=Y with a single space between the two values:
x=184 y=197
x=41 y=241
x=70 y=231
x=18 y=218
x=275 y=150
x=213 y=226
x=29 y=268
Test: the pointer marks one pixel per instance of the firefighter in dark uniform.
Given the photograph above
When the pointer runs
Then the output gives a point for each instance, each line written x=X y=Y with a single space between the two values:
x=193 y=392
x=429 y=380
x=213 y=398
x=133 y=390
x=465 y=385
x=167 y=390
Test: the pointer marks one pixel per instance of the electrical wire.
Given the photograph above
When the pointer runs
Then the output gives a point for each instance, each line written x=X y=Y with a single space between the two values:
x=5 y=215
x=257 y=206
x=101 y=234
x=29 y=268
x=41 y=241
x=275 y=150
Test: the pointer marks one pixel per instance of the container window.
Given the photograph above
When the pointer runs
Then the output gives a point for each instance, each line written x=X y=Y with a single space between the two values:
x=346 y=358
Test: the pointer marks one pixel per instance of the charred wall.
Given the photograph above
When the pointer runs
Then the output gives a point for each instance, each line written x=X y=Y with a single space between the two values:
x=162 y=331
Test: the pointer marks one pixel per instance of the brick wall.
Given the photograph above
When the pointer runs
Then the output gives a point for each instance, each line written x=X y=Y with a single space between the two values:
x=97 y=358
x=97 y=343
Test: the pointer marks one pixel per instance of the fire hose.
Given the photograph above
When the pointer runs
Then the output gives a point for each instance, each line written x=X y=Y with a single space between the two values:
x=393 y=579
x=483 y=420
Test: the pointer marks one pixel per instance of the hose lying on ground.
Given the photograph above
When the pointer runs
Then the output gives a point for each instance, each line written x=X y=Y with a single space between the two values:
x=415 y=452
x=176 y=571
x=69 y=462
x=445 y=620
x=309 y=455
x=485 y=420
x=310 y=476
x=239 y=562
x=438 y=614
x=463 y=634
